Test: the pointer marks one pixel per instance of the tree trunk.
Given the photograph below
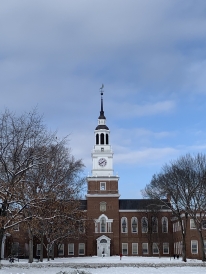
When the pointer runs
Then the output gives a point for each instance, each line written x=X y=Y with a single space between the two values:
x=184 y=248
x=1 y=239
x=52 y=252
x=42 y=246
x=202 y=245
x=30 y=246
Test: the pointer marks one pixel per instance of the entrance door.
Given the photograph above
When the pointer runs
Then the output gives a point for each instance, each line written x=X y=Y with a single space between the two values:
x=103 y=245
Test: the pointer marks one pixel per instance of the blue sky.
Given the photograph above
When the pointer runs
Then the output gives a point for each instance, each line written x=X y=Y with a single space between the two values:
x=151 y=57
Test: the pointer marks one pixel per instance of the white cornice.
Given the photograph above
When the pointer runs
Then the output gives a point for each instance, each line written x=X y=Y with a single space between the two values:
x=142 y=210
x=102 y=195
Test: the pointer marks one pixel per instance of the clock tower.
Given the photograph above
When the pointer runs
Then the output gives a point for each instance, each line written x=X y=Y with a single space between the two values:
x=102 y=193
x=102 y=159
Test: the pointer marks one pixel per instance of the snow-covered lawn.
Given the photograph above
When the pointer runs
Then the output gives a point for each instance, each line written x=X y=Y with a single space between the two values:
x=106 y=265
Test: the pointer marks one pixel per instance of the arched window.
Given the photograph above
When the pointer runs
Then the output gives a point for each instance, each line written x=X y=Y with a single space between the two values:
x=134 y=225
x=144 y=223
x=102 y=138
x=103 y=225
x=164 y=225
x=154 y=225
x=124 y=224
x=107 y=139
x=103 y=241
x=97 y=139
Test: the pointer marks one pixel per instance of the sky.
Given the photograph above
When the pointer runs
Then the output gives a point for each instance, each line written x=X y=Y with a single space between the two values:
x=150 y=56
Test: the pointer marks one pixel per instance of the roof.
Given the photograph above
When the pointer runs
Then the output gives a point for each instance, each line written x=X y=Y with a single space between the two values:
x=101 y=127
x=143 y=204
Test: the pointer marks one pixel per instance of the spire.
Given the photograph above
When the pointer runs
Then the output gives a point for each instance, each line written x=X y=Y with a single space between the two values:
x=102 y=108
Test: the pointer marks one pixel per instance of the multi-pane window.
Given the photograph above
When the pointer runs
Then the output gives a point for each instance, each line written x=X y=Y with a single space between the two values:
x=155 y=249
x=205 y=246
x=203 y=224
x=50 y=249
x=81 y=249
x=134 y=248
x=134 y=225
x=103 y=224
x=194 y=247
x=164 y=225
x=144 y=248
x=70 y=249
x=165 y=248
x=15 y=248
x=124 y=248
x=192 y=224
x=124 y=224
x=61 y=249
x=154 y=225
x=144 y=223
x=38 y=249
x=102 y=185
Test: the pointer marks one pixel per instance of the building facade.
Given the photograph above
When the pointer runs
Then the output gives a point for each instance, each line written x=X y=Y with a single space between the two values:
x=133 y=227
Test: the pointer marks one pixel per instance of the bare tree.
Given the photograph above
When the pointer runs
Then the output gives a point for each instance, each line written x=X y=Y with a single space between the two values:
x=184 y=181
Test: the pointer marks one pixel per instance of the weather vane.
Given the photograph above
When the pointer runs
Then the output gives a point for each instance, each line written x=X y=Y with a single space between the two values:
x=101 y=89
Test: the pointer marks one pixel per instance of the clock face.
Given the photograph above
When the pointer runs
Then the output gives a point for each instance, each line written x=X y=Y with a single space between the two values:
x=102 y=162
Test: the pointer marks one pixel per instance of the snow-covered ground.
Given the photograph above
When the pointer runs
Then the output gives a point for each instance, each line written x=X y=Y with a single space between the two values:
x=106 y=265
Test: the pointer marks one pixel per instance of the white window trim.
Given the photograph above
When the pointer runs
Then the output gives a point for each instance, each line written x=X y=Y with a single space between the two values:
x=167 y=246
x=154 y=245
x=145 y=218
x=147 y=248
x=134 y=244
x=103 y=186
x=126 y=245
x=192 y=224
x=131 y=224
x=60 y=247
x=38 y=249
x=83 y=245
x=194 y=241
x=126 y=228
x=72 y=245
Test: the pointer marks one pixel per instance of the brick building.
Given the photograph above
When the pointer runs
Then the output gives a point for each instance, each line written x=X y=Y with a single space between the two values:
x=133 y=227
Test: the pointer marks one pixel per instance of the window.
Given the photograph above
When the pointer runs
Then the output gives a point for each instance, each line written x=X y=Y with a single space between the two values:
x=154 y=225
x=144 y=248
x=102 y=138
x=164 y=225
x=194 y=247
x=61 y=249
x=144 y=223
x=50 y=249
x=107 y=139
x=134 y=248
x=70 y=249
x=192 y=224
x=102 y=149
x=102 y=185
x=15 y=248
x=103 y=225
x=134 y=224
x=205 y=246
x=155 y=249
x=97 y=139
x=165 y=248
x=124 y=249
x=38 y=249
x=81 y=249
x=124 y=224
x=203 y=224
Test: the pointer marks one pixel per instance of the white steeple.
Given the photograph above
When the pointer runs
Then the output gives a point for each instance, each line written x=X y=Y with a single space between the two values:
x=102 y=155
